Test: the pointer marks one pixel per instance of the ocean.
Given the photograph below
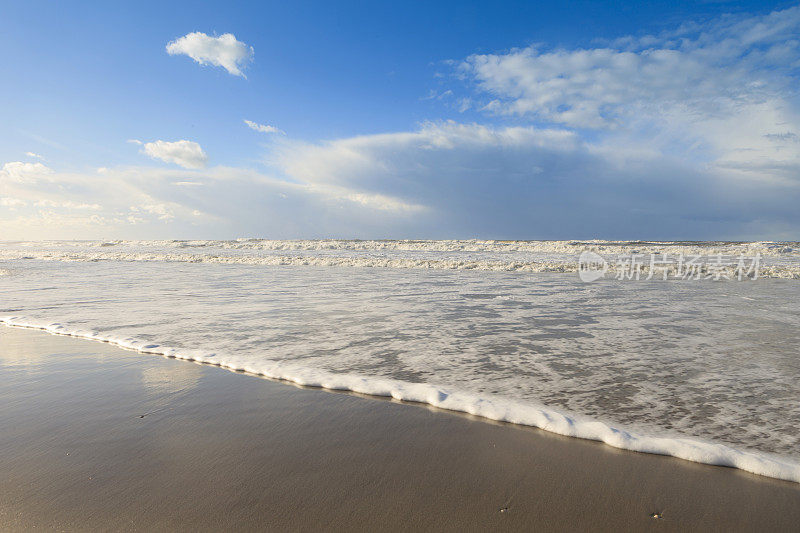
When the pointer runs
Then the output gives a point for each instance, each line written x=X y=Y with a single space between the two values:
x=704 y=366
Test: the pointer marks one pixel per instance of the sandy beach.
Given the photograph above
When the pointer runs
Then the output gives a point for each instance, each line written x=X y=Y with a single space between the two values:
x=98 y=438
x=400 y=266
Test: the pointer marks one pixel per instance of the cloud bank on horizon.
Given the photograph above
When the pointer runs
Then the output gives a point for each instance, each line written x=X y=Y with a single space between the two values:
x=688 y=134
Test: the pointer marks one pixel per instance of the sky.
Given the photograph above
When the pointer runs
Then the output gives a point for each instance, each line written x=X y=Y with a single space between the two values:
x=493 y=120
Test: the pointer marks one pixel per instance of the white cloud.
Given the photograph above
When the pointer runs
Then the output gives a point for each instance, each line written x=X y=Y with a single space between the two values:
x=134 y=141
x=59 y=225
x=32 y=154
x=12 y=202
x=352 y=161
x=143 y=202
x=77 y=205
x=187 y=154
x=162 y=211
x=23 y=172
x=694 y=134
x=223 y=51
x=263 y=128
x=380 y=202
x=526 y=182
x=721 y=93
x=711 y=69
x=67 y=205
x=442 y=180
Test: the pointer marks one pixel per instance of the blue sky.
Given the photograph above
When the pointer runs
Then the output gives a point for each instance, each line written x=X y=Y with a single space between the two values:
x=403 y=120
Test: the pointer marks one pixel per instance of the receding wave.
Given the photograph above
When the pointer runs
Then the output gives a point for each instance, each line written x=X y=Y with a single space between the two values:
x=493 y=408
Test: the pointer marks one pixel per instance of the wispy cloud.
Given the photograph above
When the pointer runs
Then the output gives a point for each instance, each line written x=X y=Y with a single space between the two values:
x=12 y=202
x=187 y=154
x=20 y=171
x=142 y=202
x=263 y=128
x=707 y=70
x=688 y=134
x=528 y=182
x=723 y=93
x=67 y=205
x=223 y=51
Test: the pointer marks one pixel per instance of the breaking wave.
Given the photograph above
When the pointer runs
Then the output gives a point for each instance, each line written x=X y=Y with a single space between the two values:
x=780 y=259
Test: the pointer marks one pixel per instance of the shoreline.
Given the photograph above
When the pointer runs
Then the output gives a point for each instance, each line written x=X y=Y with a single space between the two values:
x=101 y=438
x=537 y=416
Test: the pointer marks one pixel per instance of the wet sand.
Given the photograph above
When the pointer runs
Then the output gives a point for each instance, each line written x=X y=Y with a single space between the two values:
x=93 y=437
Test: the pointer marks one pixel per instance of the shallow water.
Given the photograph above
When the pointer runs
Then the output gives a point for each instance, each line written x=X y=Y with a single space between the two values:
x=713 y=360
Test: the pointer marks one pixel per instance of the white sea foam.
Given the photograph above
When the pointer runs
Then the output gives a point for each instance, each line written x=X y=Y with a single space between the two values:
x=500 y=322
x=572 y=247
x=781 y=259
x=522 y=413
